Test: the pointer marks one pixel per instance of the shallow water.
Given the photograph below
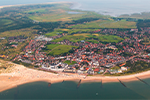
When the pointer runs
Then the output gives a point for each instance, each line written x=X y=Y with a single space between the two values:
x=68 y=90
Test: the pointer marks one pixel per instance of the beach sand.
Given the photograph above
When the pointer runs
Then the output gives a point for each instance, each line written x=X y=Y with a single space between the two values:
x=22 y=75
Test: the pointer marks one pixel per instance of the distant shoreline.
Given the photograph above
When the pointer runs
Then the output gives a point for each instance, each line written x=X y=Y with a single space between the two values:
x=32 y=4
x=23 y=75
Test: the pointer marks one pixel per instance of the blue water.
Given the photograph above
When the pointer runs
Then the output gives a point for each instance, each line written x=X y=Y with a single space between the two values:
x=68 y=90
x=71 y=12
x=107 y=7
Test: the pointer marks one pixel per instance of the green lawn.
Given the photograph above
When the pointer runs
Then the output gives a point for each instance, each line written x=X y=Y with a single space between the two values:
x=51 y=46
x=61 y=49
x=68 y=62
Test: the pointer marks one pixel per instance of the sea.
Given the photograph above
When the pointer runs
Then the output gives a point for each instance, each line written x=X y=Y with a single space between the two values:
x=68 y=90
x=106 y=7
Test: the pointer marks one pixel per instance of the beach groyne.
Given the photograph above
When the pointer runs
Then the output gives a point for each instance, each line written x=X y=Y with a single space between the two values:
x=121 y=82
x=49 y=84
x=79 y=83
x=142 y=80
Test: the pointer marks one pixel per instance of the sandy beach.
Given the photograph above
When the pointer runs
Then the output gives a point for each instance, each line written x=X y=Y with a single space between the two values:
x=22 y=75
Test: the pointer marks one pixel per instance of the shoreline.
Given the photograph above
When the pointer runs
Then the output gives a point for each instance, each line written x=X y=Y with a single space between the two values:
x=17 y=5
x=23 y=75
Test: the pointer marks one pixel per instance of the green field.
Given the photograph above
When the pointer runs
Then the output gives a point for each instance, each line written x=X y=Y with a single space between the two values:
x=94 y=38
x=70 y=38
x=69 y=31
x=68 y=62
x=61 y=49
x=106 y=24
x=5 y=22
x=110 y=38
x=51 y=46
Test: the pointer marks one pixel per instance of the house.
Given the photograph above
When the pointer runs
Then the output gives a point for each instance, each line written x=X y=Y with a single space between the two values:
x=90 y=71
x=119 y=71
x=124 y=68
x=70 y=70
x=96 y=70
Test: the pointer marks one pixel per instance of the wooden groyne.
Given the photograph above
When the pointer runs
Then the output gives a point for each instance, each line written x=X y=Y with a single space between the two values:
x=122 y=83
x=49 y=84
x=79 y=83
x=63 y=81
x=141 y=80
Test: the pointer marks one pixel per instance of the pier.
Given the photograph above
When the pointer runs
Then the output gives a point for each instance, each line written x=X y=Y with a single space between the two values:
x=79 y=83
x=122 y=83
x=141 y=80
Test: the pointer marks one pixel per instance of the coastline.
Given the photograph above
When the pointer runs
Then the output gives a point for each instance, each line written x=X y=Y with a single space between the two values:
x=23 y=75
x=17 y=5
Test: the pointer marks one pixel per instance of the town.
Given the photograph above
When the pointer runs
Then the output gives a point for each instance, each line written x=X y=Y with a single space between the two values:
x=88 y=58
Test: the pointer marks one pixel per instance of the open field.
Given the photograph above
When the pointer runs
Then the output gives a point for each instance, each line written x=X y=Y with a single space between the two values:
x=51 y=46
x=69 y=31
x=110 y=38
x=23 y=32
x=68 y=62
x=90 y=37
x=61 y=49
x=106 y=24
x=70 y=38
x=5 y=22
